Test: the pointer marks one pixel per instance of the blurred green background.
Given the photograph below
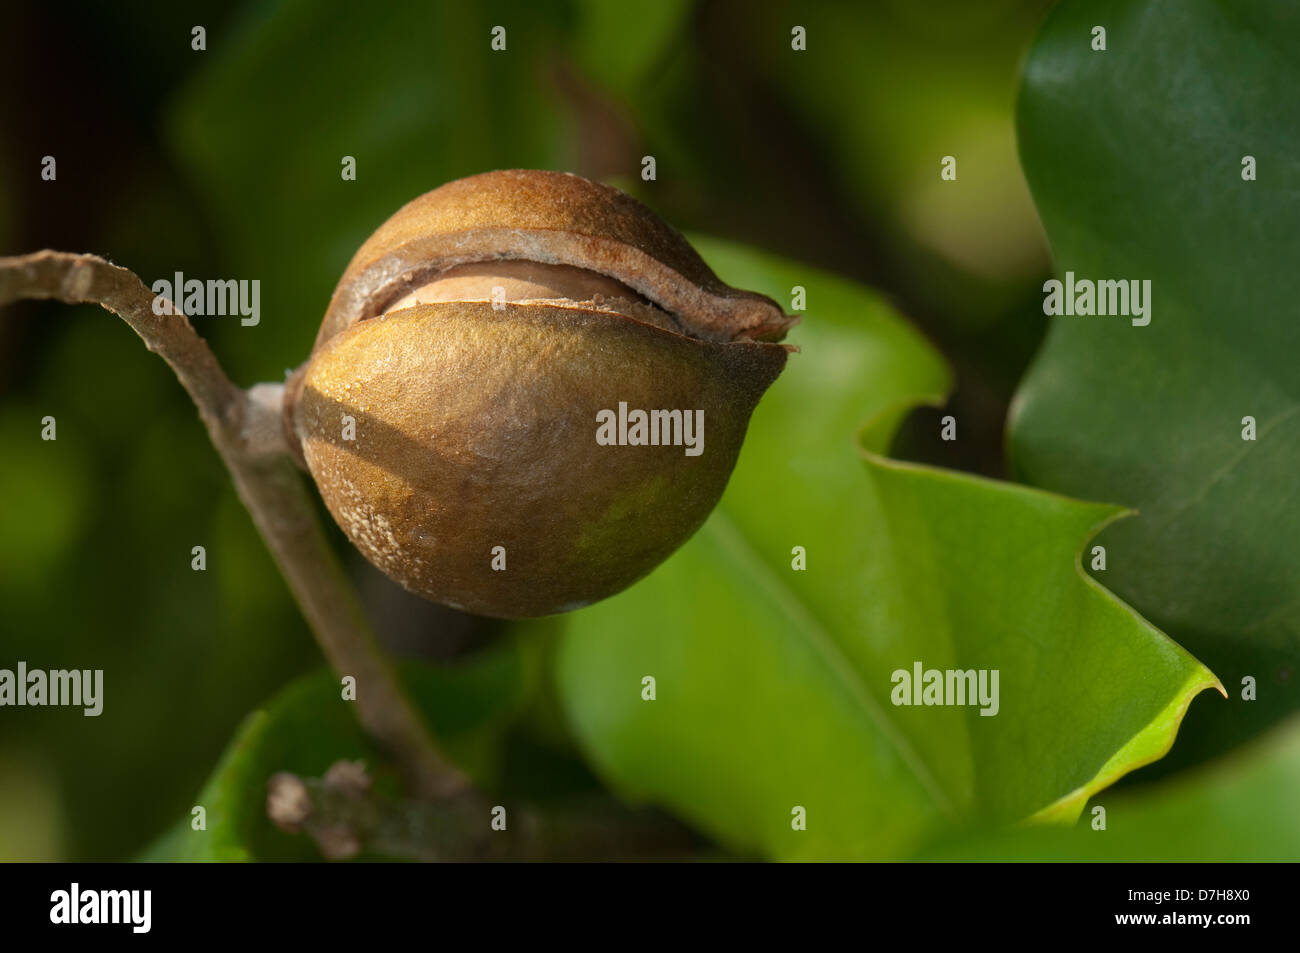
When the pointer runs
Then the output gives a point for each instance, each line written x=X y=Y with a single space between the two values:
x=226 y=163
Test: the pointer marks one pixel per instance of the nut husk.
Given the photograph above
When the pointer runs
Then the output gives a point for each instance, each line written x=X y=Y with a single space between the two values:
x=474 y=339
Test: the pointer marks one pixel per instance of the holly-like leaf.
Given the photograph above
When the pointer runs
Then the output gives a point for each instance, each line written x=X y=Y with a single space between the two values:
x=1239 y=808
x=772 y=684
x=1174 y=157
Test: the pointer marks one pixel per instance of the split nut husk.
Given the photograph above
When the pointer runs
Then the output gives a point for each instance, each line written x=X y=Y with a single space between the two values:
x=470 y=409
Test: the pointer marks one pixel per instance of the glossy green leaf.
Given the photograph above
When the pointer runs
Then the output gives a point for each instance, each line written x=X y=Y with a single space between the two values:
x=308 y=727
x=1135 y=158
x=773 y=685
x=1238 y=808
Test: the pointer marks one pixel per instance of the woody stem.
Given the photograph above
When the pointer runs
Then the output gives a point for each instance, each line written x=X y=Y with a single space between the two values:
x=246 y=430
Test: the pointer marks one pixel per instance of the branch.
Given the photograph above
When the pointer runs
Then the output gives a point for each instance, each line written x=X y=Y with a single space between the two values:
x=345 y=817
x=246 y=429
x=88 y=279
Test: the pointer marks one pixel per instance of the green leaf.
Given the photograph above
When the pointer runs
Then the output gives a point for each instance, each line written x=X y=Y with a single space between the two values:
x=1134 y=156
x=773 y=686
x=308 y=727
x=1239 y=808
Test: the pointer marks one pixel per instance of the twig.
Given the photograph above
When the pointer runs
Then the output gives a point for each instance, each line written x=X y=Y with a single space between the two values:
x=246 y=430
x=344 y=816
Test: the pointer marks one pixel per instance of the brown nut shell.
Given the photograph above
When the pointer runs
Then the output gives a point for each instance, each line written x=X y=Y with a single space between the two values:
x=553 y=218
x=472 y=343
x=476 y=428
